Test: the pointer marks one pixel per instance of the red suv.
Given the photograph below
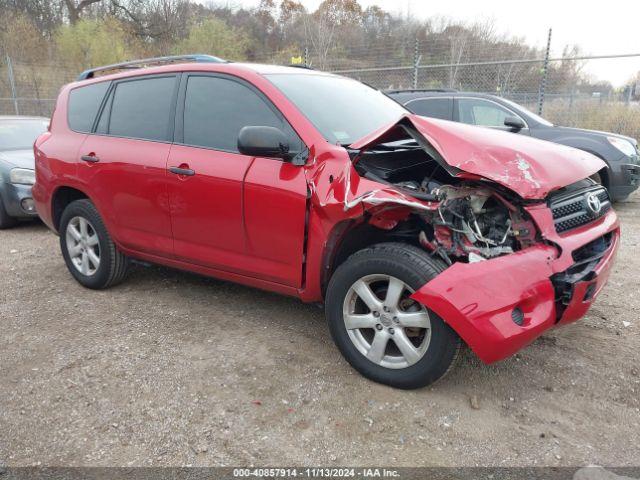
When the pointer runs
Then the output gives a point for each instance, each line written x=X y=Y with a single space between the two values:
x=418 y=235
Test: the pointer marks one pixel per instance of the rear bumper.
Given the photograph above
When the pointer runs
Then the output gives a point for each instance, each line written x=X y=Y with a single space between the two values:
x=499 y=306
x=42 y=199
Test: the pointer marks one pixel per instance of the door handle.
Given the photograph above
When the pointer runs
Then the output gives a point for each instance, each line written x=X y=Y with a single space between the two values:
x=182 y=171
x=90 y=158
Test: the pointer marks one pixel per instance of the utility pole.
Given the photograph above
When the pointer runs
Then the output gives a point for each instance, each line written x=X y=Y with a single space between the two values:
x=12 y=82
x=416 y=63
x=545 y=71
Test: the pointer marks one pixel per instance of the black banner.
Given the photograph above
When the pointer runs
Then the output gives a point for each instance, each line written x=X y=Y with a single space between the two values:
x=234 y=473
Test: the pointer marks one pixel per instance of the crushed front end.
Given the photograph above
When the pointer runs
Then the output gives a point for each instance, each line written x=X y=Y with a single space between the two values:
x=525 y=249
x=502 y=304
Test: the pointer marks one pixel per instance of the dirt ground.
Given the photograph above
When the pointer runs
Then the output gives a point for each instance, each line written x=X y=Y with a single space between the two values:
x=175 y=369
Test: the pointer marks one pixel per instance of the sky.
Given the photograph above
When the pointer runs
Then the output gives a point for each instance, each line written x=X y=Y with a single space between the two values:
x=612 y=27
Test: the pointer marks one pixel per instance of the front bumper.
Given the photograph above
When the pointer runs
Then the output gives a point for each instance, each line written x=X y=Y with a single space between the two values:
x=625 y=179
x=17 y=200
x=498 y=306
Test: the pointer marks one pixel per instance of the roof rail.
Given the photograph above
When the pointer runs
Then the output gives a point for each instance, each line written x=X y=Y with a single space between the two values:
x=147 y=62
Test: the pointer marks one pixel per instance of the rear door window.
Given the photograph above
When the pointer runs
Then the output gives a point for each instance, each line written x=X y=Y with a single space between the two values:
x=84 y=103
x=432 y=107
x=141 y=108
x=216 y=109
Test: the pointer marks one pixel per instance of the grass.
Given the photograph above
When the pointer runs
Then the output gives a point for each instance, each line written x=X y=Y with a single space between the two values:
x=593 y=114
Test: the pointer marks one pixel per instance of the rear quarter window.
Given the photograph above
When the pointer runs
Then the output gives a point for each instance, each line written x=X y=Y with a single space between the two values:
x=432 y=107
x=84 y=103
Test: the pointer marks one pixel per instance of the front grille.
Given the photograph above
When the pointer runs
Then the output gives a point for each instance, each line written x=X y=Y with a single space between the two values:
x=579 y=208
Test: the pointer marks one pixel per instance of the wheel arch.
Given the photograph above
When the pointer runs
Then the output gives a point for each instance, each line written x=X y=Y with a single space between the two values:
x=60 y=199
x=604 y=176
x=351 y=236
x=603 y=172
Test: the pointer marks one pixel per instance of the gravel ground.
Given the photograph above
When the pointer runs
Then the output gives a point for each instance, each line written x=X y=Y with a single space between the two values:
x=174 y=369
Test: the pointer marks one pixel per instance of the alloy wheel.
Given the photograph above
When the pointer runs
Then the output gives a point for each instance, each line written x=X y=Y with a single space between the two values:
x=83 y=245
x=384 y=323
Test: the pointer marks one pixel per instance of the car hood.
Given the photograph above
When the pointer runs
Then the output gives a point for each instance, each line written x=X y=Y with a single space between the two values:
x=591 y=133
x=18 y=158
x=531 y=168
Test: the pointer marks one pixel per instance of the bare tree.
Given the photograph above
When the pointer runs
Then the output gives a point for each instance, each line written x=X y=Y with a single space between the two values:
x=458 y=44
x=319 y=32
x=74 y=9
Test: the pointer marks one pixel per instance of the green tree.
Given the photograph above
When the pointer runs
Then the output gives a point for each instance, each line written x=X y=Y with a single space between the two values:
x=92 y=42
x=213 y=36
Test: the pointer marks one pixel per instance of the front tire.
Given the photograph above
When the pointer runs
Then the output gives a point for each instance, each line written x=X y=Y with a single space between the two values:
x=88 y=250
x=596 y=177
x=382 y=333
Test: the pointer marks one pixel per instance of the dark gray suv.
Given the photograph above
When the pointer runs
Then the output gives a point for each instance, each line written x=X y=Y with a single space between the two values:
x=620 y=153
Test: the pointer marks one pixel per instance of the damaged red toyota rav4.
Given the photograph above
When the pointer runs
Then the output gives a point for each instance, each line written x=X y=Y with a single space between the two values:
x=418 y=235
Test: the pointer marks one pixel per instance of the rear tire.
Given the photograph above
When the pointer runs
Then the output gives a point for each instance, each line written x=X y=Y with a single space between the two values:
x=6 y=221
x=88 y=250
x=372 y=334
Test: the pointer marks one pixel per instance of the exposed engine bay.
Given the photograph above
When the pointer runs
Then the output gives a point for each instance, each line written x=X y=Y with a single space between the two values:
x=467 y=221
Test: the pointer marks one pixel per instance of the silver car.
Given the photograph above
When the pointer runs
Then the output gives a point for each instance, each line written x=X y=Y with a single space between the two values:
x=17 y=164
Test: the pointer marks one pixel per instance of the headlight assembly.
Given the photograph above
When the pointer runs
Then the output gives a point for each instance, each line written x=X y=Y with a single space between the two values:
x=624 y=146
x=22 y=176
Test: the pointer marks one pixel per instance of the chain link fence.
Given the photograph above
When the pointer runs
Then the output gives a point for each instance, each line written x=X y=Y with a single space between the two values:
x=563 y=90
x=559 y=88
x=562 y=103
x=30 y=88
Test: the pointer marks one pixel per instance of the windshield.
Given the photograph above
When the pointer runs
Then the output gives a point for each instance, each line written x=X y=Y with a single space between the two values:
x=343 y=110
x=20 y=134
x=537 y=118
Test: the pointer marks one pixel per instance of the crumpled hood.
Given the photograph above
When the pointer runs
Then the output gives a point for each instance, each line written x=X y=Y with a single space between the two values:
x=531 y=168
x=18 y=158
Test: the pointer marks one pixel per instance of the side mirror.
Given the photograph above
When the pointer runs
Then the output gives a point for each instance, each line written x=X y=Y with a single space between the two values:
x=263 y=141
x=515 y=123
